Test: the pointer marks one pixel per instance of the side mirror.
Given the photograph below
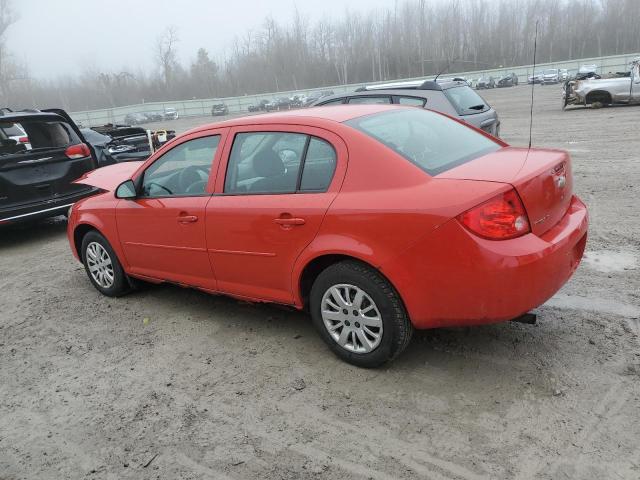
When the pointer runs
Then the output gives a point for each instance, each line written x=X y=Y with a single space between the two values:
x=126 y=190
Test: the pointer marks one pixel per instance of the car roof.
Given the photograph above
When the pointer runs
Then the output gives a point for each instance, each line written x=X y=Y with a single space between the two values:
x=333 y=113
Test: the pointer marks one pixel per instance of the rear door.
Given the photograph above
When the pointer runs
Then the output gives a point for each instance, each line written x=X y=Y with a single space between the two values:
x=271 y=196
x=43 y=173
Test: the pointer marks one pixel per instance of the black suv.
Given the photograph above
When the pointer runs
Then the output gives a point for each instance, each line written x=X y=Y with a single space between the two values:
x=36 y=173
x=455 y=98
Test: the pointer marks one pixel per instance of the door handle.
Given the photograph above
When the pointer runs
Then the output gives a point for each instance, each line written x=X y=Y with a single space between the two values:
x=187 y=219
x=289 y=222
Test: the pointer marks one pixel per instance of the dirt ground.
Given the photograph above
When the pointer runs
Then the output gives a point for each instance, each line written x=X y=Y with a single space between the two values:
x=170 y=383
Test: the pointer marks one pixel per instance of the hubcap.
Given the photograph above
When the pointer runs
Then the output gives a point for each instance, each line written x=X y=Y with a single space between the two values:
x=100 y=265
x=352 y=318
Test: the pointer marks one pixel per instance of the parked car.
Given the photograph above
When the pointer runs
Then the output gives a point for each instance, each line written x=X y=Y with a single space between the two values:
x=282 y=103
x=564 y=74
x=535 y=78
x=155 y=116
x=135 y=119
x=550 y=76
x=36 y=182
x=263 y=105
x=170 y=113
x=119 y=143
x=453 y=98
x=485 y=82
x=285 y=221
x=508 y=80
x=219 y=109
x=596 y=91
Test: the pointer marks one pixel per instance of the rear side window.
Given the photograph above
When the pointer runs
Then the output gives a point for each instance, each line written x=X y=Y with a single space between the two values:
x=427 y=139
x=369 y=100
x=319 y=165
x=277 y=163
x=412 y=101
x=465 y=100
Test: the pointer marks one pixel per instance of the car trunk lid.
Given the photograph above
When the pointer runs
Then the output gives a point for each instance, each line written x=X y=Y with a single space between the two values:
x=542 y=178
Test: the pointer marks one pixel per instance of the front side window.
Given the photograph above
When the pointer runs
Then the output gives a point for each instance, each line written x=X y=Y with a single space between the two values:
x=427 y=139
x=182 y=171
x=279 y=162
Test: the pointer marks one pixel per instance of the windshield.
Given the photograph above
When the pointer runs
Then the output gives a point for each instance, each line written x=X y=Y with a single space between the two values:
x=550 y=72
x=465 y=100
x=427 y=139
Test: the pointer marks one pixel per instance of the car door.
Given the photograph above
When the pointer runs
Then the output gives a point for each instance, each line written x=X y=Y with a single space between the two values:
x=272 y=192
x=162 y=230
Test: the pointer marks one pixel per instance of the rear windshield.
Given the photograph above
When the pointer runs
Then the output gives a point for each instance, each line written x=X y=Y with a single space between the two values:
x=427 y=139
x=41 y=134
x=465 y=100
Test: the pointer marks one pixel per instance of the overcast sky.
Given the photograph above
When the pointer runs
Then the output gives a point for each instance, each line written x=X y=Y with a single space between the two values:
x=68 y=36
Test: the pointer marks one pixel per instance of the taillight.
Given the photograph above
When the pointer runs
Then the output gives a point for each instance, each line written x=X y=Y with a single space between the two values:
x=23 y=140
x=77 y=151
x=499 y=218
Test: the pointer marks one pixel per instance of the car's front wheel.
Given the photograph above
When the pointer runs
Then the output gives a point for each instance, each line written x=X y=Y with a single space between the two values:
x=102 y=266
x=359 y=314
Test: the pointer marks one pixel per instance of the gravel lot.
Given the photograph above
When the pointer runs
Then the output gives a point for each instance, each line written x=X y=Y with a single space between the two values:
x=170 y=383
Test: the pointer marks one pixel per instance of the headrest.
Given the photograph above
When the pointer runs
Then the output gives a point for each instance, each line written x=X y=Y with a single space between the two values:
x=268 y=164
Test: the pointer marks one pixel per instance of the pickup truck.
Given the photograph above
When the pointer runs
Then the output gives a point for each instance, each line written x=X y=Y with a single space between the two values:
x=598 y=92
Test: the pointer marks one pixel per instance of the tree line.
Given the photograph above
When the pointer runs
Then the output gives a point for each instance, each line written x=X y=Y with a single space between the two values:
x=408 y=39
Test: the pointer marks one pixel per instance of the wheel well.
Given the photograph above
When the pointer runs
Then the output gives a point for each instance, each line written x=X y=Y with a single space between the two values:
x=78 y=235
x=598 y=96
x=315 y=268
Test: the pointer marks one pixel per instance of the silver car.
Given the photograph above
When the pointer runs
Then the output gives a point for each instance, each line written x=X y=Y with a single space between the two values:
x=455 y=98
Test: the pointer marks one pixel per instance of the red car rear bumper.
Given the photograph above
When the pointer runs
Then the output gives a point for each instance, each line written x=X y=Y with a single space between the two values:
x=454 y=278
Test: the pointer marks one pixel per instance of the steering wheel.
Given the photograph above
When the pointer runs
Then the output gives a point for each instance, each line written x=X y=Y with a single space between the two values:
x=192 y=175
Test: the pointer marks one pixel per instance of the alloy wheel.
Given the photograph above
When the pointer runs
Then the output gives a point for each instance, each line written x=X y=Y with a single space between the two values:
x=100 y=265
x=352 y=318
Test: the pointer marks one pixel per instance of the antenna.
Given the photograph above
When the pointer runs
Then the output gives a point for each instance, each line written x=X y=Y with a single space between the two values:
x=533 y=83
x=443 y=70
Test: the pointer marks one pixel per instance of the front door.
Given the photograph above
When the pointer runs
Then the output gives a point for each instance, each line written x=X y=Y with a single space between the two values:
x=162 y=231
x=271 y=196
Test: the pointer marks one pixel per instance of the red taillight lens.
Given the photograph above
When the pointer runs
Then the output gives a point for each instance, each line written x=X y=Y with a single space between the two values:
x=23 y=140
x=499 y=218
x=77 y=151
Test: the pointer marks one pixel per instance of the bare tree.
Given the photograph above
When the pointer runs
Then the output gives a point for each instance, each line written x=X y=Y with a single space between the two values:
x=166 y=54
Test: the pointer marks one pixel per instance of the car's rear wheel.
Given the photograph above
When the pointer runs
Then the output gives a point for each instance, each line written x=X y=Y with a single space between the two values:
x=359 y=314
x=102 y=265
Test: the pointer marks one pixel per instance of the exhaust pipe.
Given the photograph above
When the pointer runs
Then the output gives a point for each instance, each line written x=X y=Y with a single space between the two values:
x=528 y=318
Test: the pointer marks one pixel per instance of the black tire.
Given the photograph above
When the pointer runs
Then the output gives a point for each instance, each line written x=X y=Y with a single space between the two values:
x=120 y=284
x=396 y=326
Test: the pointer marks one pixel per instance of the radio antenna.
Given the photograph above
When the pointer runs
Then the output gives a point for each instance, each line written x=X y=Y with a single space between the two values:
x=533 y=82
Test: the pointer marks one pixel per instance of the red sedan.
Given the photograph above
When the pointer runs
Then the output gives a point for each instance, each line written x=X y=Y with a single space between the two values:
x=377 y=219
